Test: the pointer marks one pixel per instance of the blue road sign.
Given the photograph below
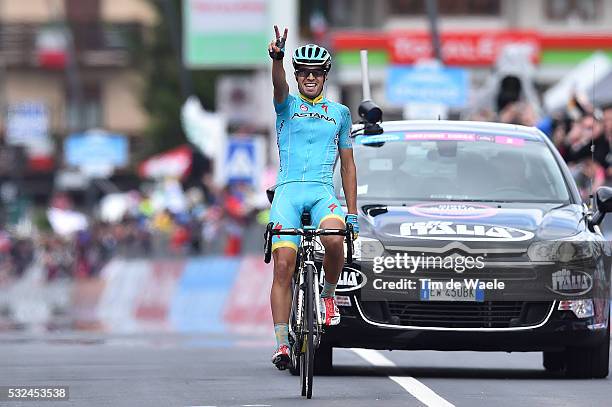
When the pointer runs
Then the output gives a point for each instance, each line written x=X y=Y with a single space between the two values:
x=93 y=148
x=427 y=84
x=241 y=160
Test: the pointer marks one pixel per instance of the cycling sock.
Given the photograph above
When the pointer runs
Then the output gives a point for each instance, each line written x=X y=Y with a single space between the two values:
x=329 y=290
x=281 y=331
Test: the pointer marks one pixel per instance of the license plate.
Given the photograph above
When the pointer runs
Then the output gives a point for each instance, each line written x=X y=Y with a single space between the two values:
x=451 y=294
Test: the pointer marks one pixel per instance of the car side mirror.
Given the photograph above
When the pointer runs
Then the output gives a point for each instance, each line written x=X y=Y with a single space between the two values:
x=603 y=204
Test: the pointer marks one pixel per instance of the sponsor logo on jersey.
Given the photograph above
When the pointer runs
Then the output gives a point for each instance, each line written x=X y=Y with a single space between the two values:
x=571 y=282
x=303 y=108
x=313 y=115
x=332 y=207
x=324 y=107
x=439 y=230
x=278 y=226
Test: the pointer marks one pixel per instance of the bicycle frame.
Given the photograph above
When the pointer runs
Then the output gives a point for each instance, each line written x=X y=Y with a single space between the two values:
x=306 y=331
x=307 y=258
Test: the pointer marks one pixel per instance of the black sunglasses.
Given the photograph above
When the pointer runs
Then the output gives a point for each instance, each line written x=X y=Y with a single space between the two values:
x=305 y=73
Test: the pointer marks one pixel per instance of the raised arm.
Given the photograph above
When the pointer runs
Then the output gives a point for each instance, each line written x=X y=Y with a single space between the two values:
x=276 y=49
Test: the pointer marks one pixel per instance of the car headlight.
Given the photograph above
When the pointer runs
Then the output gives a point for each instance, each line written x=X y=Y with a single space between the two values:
x=580 y=308
x=563 y=251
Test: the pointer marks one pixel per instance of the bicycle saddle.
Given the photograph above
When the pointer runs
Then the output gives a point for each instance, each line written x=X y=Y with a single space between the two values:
x=270 y=193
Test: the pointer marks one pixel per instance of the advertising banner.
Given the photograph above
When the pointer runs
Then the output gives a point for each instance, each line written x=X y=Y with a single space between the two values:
x=460 y=48
x=225 y=33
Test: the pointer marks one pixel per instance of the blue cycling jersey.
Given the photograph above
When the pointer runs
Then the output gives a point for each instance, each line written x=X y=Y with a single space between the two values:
x=309 y=133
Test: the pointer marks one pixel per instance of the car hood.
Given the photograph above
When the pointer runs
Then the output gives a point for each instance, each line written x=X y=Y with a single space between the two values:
x=476 y=224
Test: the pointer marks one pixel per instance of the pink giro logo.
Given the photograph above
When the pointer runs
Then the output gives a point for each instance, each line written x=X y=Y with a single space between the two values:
x=452 y=210
x=303 y=108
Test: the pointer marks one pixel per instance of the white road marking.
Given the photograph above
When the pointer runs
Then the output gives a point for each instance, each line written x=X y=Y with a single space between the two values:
x=421 y=392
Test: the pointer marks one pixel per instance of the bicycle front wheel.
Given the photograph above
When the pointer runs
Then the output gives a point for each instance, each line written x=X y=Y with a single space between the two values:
x=295 y=333
x=308 y=350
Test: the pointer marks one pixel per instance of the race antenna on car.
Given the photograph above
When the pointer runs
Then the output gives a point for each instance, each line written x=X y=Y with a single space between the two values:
x=370 y=112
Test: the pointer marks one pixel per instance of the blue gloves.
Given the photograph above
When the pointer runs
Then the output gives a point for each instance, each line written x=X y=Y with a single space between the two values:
x=352 y=219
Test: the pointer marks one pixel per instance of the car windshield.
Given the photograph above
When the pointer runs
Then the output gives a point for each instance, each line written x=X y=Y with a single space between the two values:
x=411 y=166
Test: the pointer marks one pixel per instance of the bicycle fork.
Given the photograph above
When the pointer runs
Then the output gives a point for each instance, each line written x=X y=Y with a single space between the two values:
x=317 y=301
x=317 y=297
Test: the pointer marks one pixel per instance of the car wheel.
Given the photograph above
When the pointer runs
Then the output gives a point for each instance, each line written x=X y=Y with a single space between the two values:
x=589 y=362
x=323 y=363
x=553 y=361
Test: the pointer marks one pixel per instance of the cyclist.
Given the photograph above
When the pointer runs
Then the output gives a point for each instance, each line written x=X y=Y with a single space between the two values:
x=311 y=131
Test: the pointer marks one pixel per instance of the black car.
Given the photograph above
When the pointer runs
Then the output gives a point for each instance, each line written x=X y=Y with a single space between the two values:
x=446 y=190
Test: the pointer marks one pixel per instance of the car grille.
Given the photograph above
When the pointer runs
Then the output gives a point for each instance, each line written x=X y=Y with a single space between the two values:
x=514 y=266
x=443 y=314
x=504 y=274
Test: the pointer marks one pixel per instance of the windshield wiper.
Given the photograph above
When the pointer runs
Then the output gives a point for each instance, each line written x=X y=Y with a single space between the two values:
x=375 y=209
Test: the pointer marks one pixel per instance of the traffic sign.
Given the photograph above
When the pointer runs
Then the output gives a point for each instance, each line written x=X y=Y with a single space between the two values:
x=27 y=123
x=97 y=149
x=244 y=161
x=427 y=84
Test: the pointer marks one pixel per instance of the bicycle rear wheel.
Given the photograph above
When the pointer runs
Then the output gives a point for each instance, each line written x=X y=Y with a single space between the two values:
x=308 y=350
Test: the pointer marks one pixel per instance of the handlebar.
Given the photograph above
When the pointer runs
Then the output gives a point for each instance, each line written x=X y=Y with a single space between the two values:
x=270 y=232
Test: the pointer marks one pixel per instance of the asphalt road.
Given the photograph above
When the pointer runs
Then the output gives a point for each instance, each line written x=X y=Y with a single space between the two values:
x=154 y=334
x=219 y=370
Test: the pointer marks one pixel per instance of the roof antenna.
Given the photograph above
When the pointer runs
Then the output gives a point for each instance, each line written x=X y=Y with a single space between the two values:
x=370 y=112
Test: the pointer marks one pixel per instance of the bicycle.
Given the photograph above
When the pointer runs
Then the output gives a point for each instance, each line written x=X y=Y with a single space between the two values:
x=305 y=324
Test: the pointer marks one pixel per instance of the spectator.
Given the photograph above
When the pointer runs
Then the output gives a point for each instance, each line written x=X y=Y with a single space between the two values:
x=585 y=131
x=587 y=172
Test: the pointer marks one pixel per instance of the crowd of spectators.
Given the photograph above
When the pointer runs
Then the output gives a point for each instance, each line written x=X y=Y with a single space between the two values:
x=214 y=222
x=575 y=131
x=584 y=143
x=168 y=221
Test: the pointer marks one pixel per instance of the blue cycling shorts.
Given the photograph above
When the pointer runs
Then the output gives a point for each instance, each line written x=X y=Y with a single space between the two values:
x=293 y=198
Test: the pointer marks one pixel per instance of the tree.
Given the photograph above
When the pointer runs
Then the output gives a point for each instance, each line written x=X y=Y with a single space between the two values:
x=163 y=97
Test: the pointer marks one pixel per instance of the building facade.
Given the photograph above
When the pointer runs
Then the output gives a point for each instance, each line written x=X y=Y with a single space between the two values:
x=562 y=33
x=66 y=66
x=102 y=88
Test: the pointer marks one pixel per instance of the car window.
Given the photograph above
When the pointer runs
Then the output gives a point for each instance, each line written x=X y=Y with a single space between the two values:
x=498 y=169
